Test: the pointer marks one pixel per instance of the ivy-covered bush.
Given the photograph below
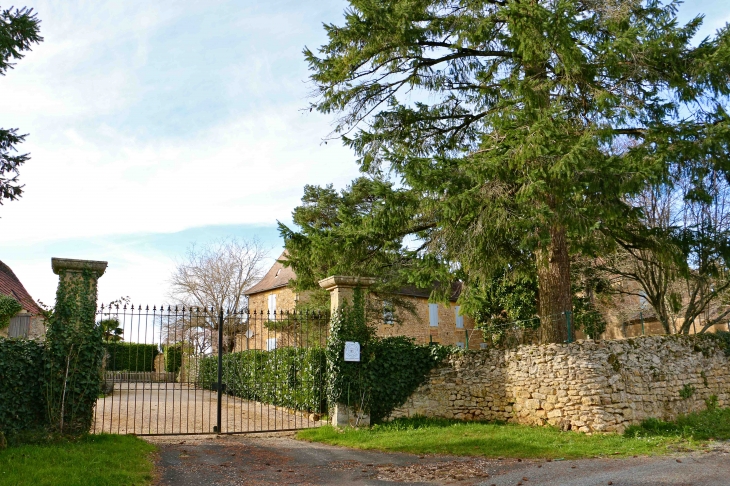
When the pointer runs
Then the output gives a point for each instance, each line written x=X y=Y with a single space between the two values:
x=22 y=379
x=173 y=358
x=398 y=367
x=8 y=308
x=288 y=377
x=389 y=371
x=130 y=356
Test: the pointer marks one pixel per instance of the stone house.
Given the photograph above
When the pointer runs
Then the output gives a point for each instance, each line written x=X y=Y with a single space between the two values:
x=29 y=322
x=430 y=323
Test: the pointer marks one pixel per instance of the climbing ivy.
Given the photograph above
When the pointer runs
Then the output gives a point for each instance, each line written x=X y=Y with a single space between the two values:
x=22 y=403
x=389 y=371
x=8 y=308
x=75 y=354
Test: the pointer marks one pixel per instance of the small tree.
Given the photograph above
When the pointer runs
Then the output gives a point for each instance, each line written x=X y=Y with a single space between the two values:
x=211 y=278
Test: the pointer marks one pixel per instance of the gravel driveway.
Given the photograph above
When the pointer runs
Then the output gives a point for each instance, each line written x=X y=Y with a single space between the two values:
x=174 y=408
x=250 y=460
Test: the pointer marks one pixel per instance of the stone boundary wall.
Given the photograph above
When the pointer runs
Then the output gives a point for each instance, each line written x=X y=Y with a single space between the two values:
x=588 y=386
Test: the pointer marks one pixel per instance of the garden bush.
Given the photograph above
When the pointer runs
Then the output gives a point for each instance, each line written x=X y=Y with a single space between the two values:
x=288 y=377
x=173 y=358
x=22 y=380
x=130 y=356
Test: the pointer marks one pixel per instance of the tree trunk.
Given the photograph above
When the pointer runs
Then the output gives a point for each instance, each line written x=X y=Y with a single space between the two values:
x=553 y=280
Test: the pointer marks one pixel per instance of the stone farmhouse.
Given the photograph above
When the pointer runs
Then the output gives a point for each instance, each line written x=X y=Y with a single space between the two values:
x=430 y=323
x=29 y=322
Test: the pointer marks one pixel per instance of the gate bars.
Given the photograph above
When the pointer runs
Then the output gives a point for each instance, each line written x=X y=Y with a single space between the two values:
x=201 y=370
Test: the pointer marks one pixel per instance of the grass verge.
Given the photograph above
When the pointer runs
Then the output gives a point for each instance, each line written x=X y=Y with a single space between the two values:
x=419 y=435
x=92 y=459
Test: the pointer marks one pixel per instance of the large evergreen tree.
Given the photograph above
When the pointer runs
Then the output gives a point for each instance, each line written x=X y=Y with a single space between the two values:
x=499 y=119
x=19 y=30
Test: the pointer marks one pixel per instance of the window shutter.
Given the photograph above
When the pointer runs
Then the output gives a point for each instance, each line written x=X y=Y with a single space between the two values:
x=433 y=315
x=272 y=307
x=459 y=318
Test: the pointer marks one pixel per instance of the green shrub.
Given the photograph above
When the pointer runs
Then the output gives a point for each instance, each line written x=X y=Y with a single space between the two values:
x=22 y=379
x=389 y=371
x=399 y=366
x=173 y=358
x=8 y=308
x=130 y=356
x=288 y=377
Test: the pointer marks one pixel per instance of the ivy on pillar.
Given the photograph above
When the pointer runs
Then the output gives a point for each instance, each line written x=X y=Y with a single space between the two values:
x=347 y=392
x=75 y=350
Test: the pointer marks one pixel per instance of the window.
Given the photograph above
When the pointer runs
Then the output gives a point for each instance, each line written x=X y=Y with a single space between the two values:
x=270 y=344
x=459 y=318
x=483 y=346
x=460 y=345
x=388 y=312
x=433 y=315
x=272 y=307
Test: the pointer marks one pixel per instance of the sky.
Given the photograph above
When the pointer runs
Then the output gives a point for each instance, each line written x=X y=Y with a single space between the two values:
x=156 y=125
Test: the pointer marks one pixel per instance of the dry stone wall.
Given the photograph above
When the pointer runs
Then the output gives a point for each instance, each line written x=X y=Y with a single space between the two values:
x=589 y=386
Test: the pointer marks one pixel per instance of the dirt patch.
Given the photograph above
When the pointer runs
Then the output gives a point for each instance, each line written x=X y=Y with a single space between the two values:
x=279 y=459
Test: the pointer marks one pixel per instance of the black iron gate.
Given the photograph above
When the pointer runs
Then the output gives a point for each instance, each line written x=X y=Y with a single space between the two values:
x=195 y=370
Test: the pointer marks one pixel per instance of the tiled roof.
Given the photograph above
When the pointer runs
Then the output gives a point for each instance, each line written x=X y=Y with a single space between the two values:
x=277 y=276
x=10 y=285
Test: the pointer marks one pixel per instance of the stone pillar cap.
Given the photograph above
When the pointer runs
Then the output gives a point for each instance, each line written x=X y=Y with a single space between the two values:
x=341 y=281
x=72 y=265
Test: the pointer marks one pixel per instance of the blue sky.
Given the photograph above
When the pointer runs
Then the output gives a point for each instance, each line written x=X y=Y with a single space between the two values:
x=154 y=125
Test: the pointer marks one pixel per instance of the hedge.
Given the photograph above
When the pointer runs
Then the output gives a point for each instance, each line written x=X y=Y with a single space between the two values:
x=173 y=358
x=289 y=377
x=22 y=382
x=130 y=356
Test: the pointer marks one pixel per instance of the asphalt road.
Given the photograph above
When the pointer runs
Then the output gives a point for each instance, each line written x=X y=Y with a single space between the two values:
x=249 y=460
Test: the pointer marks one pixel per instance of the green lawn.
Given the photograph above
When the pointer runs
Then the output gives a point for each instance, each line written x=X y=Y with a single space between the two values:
x=95 y=459
x=439 y=436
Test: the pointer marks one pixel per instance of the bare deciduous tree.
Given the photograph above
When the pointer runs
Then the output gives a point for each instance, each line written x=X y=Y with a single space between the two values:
x=687 y=281
x=210 y=278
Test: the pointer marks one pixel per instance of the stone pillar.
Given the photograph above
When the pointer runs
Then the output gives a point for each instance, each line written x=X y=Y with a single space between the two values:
x=70 y=269
x=342 y=288
x=75 y=349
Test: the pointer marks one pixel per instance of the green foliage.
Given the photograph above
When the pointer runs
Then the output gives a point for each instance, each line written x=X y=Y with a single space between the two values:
x=705 y=425
x=173 y=357
x=421 y=435
x=100 y=459
x=587 y=318
x=22 y=378
x=346 y=382
x=491 y=131
x=389 y=371
x=687 y=391
x=711 y=403
x=8 y=308
x=399 y=366
x=19 y=30
x=722 y=338
x=112 y=330
x=130 y=356
x=287 y=376
x=75 y=355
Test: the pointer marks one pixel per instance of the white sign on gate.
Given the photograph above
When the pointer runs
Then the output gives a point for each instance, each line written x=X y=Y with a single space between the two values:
x=352 y=351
